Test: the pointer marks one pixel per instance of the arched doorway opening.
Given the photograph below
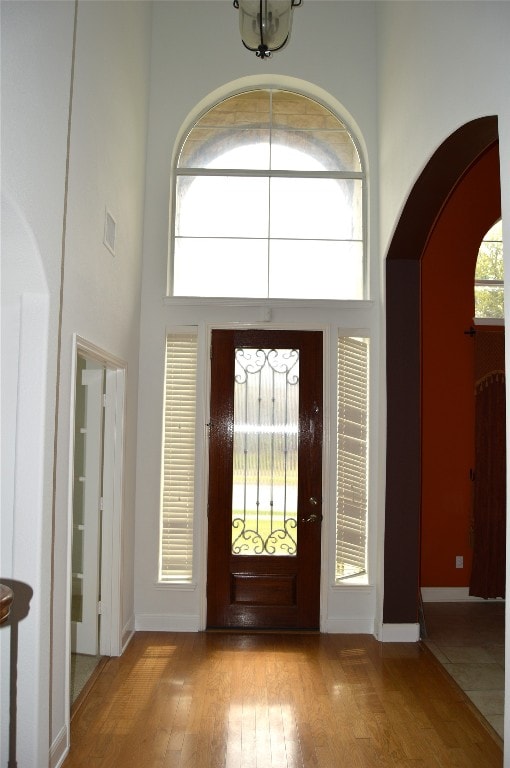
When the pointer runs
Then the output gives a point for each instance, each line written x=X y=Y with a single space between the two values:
x=426 y=201
x=453 y=473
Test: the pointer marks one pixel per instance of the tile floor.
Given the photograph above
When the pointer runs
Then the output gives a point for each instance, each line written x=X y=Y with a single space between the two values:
x=469 y=641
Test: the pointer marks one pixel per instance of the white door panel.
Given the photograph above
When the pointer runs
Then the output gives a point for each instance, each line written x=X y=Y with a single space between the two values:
x=86 y=509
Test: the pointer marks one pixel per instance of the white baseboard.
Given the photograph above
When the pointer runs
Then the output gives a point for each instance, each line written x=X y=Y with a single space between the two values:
x=353 y=626
x=59 y=749
x=449 y=595
x=127 y=633
x=156 y=622
x=399 y=633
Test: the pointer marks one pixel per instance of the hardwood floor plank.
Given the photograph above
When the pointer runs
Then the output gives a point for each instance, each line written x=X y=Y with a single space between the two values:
x=276 y=701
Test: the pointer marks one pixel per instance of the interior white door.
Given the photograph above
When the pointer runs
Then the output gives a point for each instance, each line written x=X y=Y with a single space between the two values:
x=88 y=461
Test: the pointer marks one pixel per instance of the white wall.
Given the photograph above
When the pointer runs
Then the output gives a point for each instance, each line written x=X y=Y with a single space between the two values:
x=36 y=67
x=196 y=50
x=101 y=298
x=440 y=66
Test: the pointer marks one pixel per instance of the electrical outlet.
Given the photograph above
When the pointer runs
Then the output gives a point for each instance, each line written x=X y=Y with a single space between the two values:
x=459 y=561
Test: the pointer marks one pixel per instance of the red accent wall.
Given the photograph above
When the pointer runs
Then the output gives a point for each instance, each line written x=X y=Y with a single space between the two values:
x=448 y=266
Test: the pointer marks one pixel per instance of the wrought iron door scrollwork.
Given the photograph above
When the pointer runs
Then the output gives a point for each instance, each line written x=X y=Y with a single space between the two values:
x=264 y=504
x=252 y=361
x=279 y=541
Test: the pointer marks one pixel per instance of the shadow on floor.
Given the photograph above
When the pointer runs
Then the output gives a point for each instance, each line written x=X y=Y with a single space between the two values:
x=82 y=669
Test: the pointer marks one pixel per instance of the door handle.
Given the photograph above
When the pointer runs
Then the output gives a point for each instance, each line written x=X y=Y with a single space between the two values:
x=314 y=517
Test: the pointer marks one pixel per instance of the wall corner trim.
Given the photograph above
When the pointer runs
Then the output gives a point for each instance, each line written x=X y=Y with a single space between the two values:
x=60 y=748
x=399 y=633
x=127 y=633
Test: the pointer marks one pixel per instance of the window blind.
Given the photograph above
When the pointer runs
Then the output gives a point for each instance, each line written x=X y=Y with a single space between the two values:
x=352 y=458
x=177 y=504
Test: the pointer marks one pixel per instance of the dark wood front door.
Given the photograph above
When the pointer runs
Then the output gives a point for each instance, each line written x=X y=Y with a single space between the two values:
x=265 y=479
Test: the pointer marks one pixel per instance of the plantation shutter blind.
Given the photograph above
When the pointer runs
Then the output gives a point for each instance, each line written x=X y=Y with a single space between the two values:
x=352 y=458
x=177 y=507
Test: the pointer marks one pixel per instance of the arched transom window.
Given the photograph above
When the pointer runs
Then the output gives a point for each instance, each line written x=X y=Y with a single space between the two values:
x=489 y=284
x=268 y=202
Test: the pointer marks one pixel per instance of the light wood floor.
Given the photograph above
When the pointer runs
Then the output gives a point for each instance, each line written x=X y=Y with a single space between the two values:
x=214 y=700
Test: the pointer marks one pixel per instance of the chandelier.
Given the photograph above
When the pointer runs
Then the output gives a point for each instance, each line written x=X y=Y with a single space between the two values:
x=265 y=24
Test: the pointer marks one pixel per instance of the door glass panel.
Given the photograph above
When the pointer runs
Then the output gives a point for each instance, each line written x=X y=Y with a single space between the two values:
x=265 y=474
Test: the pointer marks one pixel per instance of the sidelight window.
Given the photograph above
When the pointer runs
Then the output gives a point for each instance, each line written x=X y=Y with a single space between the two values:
x=177 y=495
x=352 y=460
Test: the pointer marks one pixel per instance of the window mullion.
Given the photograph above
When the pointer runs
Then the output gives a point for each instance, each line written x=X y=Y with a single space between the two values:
x=271 y=173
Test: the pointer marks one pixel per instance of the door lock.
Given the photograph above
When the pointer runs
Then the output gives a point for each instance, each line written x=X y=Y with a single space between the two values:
x=313 y=518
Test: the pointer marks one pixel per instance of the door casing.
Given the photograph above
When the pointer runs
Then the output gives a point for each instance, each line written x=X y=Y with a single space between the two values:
x=110 y=642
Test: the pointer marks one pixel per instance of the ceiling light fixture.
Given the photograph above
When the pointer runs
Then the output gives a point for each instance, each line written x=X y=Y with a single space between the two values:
x=265 y=24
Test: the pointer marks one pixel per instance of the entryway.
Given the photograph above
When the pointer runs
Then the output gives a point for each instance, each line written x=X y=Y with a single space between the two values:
x=265 y=479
